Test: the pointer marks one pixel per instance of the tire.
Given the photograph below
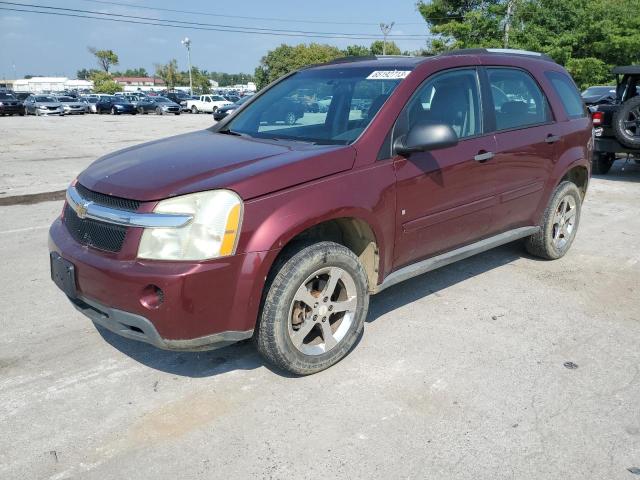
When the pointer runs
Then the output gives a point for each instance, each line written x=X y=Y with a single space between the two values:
x=194 y=109
x=26 y=111
x=602 y=162
x=158 y=111
x=307 y=269
x=626 y=123
x=290 y=118
x=114 y=111
x=559 y=223
x=37 y=112
x=177 y=113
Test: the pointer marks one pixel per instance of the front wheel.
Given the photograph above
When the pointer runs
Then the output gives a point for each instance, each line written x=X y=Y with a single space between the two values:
x=194 y=109
x=114 y=111
x=314 y=309
x=559 y=223
x=158 y=111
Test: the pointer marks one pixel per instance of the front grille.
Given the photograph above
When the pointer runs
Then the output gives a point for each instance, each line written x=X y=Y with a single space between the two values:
x=107 y=200
x=100 y=235
x=93 y=233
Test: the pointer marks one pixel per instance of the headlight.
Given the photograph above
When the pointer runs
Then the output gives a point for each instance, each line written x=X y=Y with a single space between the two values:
x=213 y=232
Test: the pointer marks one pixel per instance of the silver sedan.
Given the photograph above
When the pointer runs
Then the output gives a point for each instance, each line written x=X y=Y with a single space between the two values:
x=73 y=106
x=42 y=105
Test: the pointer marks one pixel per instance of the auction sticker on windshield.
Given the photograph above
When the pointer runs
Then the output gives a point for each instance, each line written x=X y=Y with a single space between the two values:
x=388 y=74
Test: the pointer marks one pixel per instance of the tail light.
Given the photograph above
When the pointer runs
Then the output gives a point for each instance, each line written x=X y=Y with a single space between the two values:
x=597 y=118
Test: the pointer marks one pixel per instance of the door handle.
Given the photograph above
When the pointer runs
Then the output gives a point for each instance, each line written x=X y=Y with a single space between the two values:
x=552 y=138
x=484 y=156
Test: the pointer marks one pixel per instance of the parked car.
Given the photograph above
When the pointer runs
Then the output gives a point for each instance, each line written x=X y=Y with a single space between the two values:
x=73 y=106
x=115 y=105
x=22 y=96
x=287 y=110
x=231 y=98
x=207 y=103
x=617 y=124
x=599 y=94
x=178 y=97
x=158 y=105
x=222 y=112
x=282 y=234
x=10 y=105
x=91 y=102
x=42 y=105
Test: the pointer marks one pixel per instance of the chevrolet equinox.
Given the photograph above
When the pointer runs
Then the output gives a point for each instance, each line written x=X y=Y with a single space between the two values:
x=280 y=230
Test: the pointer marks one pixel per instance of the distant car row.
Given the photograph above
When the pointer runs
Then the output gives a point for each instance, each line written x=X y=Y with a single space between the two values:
x=120 y=103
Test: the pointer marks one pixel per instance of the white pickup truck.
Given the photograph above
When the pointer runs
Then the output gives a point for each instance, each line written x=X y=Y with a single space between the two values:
x=207 y=103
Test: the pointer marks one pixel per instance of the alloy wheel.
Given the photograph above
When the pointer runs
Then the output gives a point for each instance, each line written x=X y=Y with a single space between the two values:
x=564 y=221
x=322 y=311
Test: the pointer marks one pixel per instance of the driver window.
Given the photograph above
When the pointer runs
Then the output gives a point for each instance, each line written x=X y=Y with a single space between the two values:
x=451 y=98
x=207 y=99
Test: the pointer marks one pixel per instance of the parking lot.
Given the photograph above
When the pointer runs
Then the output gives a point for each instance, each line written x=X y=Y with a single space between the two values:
x=501 y=366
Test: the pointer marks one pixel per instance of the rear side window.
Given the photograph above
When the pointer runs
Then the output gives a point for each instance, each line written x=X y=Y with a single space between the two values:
x=518 y=101
x=568 y=93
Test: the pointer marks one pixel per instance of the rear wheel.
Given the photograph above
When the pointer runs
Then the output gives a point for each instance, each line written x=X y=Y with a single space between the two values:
x=559 y=223
x=314 y=309
x=194 y=109
x=602 y=162
x=290 y=118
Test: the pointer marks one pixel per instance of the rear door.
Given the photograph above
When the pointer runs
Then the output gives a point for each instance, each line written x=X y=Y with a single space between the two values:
x=526 y=137
x=445 y=198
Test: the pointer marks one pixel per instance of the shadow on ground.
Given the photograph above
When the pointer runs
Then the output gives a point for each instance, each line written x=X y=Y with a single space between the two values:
x=622 y=171
x=243 y=356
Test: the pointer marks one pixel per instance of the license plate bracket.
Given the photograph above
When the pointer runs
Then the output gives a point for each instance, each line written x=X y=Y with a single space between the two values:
x=63 y=274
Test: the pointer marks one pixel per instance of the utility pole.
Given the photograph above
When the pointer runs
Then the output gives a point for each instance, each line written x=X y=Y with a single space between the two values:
x=386 y=29
x=507 y=22
x=187 y=43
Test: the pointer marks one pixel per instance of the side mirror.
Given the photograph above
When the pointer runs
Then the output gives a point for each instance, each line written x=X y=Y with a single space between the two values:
x=422 y=138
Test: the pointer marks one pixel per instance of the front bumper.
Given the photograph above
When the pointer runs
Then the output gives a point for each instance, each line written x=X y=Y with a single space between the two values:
x=58 y=111
x=205 y=304
x=137 y=327
x=11 y=109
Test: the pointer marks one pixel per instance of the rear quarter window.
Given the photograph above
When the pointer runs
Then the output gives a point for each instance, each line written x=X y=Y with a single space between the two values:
x=568 y=93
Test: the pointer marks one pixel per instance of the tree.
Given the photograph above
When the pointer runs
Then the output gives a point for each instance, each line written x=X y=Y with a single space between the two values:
x=105 y=58
x=587 y=36
x=169 y=73
x=287 y=58
x=132 y=72
x=377 y=48
x=357 y=51
x=104 y=83
x=85 y=74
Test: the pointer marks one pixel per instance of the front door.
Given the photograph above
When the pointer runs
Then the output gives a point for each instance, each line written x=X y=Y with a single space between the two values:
x=445 y=198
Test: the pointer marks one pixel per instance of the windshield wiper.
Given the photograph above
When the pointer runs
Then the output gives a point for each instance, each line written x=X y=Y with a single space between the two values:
x=226 y=131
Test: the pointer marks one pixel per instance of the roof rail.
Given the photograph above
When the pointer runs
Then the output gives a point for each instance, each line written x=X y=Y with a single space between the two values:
x=499 y=51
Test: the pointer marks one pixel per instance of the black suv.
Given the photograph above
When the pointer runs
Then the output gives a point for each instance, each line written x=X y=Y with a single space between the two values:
x=617 y=124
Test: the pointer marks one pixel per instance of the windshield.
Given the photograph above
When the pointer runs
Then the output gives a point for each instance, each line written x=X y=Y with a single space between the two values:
x=598 y=91
x=6 y=96
x=45 y=99
x=162 y=100
x=66 y=99
x=350 y=97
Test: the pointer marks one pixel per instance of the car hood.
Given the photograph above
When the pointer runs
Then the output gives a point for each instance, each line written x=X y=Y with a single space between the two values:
x=48 y=104
x=206 y=160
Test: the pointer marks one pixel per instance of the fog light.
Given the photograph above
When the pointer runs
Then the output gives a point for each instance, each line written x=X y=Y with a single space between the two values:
x=152 y=297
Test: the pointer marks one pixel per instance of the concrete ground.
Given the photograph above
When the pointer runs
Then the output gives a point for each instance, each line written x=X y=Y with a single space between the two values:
x=460 y=373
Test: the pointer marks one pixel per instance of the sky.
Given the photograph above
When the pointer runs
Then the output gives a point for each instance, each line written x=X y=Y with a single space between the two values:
x=35 y=44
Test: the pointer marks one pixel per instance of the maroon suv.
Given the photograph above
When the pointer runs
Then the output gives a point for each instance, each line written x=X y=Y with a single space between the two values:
x=280 y=232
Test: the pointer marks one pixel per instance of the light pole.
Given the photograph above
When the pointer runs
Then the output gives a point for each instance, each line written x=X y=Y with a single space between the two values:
x=187 y=43
x=386 y=29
